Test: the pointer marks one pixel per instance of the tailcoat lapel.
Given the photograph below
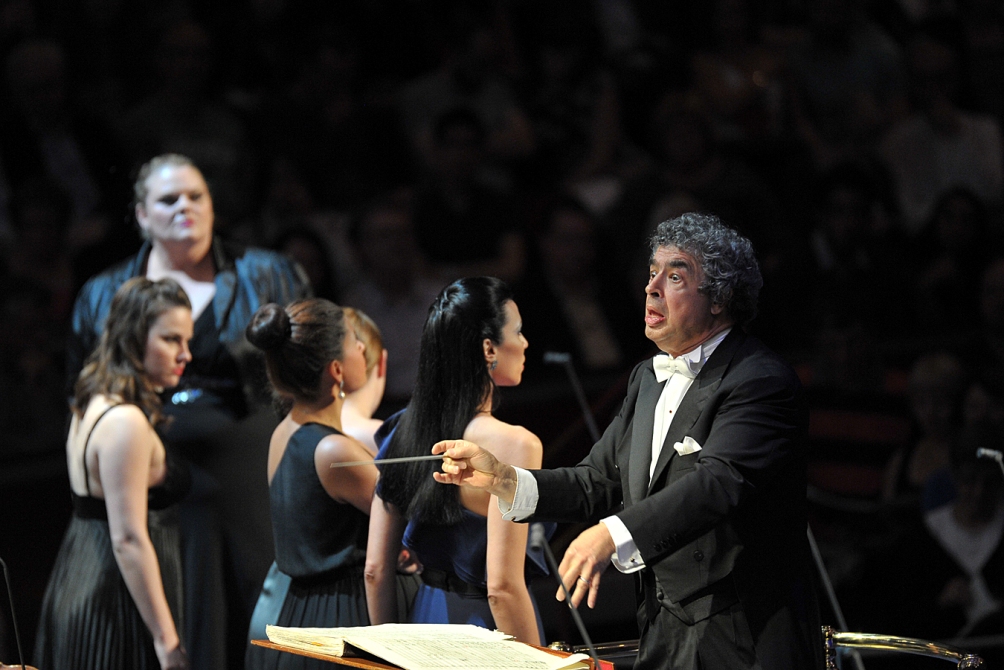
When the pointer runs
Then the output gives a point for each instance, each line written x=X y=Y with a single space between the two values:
x=706 y=383
x=641 y=433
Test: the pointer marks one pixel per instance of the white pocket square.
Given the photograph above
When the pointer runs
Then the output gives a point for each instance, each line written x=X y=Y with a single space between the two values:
x=688 y=446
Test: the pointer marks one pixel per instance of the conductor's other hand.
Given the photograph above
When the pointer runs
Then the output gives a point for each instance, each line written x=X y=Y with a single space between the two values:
x=467 y=464
x=583 y=564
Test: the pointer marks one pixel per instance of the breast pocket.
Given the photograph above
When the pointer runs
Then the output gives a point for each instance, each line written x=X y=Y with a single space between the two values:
x=681 y=465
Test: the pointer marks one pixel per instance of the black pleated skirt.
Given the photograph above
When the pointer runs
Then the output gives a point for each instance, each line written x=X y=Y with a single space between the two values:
x=89 y=620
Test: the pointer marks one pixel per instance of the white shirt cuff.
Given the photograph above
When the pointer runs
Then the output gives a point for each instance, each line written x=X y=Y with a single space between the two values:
x=626 y=558
x=524 y=502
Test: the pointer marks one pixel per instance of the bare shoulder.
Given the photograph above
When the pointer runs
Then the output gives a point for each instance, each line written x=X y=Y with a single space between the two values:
x=339 y=449
x=510 y=443
x=125 y=428
x=125 y=420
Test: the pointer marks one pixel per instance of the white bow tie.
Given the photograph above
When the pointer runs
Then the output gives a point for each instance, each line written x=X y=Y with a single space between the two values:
x=666 y=366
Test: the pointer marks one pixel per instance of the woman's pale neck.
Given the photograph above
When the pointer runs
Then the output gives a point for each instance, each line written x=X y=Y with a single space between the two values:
x=328 y=413
x=193 y=260
x=363 y=403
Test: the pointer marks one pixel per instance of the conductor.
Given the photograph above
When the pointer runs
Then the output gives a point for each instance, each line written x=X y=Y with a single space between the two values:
x=698 y=484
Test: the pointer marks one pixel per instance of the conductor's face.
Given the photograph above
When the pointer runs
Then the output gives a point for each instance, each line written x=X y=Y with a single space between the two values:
x=678 y=316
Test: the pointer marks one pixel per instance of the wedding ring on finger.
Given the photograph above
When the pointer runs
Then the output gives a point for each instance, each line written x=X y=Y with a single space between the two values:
x=583 y=580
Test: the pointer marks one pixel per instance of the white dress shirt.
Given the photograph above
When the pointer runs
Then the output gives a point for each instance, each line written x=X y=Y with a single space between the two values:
x=626 y=558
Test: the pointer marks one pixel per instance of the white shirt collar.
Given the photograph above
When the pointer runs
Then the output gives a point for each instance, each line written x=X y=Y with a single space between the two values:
x=699 y=355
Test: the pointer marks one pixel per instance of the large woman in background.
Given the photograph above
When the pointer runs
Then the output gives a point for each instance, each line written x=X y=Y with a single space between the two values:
x=222 y=420
x=473 y=561
x=319 y=513
x=114 y=598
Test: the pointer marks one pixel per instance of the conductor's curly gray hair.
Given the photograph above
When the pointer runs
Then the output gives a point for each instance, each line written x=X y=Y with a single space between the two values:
x=731 y=273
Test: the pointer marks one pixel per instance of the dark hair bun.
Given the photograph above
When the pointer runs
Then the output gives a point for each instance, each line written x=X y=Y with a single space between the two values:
x=269 y=328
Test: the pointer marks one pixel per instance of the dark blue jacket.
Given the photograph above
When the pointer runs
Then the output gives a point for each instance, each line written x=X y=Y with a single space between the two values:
x=245 y=280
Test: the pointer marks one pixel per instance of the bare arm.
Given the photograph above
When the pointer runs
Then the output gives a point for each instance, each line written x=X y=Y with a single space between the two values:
x=508 y=596
x=354 y=485
x=124 y=454
x=382 y=549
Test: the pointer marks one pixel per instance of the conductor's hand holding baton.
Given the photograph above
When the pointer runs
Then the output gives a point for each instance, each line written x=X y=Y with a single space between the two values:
x=467 y=464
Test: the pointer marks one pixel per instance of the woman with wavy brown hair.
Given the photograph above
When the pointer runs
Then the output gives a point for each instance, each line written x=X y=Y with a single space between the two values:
x=114 y=599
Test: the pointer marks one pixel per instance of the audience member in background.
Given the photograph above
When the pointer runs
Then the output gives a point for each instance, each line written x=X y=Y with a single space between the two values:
x=40 y=253
x=46 y=136
x=954 y=247
x=574 y=107
x=393 y=289
x=937 y=384
x=691 y=162
x=319 y=512
x=945 y=577
x=221 y=421
x=114 y=600
x=464 y=223
x=309 y=250
x=181 y=116
x=33 y=411
x=982 y=28
x=983 y=352
x=473 y=561
x=940 y=146
x=474 y=74
x=856 y=260
x=739 y=77
x=849 y=83
x=343 y=136
x=574 y=301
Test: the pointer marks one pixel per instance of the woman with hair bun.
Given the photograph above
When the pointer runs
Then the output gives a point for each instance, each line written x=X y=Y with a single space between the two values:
x=473 y=561
x=319 y=513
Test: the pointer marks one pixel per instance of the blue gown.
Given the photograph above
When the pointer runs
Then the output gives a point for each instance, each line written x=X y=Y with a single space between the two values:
x=454 y=585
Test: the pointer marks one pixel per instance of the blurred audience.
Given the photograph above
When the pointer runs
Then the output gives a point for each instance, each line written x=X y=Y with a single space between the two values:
x=393 y=288
x=940 y=146
x=572 y=301
x=473 y=74
x=849 y=82
x=465 y=220
x=945 y=576
x=183 y=115
x=952 y=250
x=935 y=394
x=43 y=135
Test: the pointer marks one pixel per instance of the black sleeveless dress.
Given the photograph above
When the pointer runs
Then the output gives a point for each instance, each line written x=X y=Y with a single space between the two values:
x=89 y=620
x=320 y=544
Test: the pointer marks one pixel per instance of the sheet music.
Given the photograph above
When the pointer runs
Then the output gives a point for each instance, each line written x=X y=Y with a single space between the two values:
x=428 y=646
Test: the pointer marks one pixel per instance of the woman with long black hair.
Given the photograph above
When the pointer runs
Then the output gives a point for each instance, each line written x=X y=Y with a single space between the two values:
x=473 y=561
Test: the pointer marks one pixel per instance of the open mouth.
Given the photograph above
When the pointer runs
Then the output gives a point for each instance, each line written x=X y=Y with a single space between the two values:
x=653 y=317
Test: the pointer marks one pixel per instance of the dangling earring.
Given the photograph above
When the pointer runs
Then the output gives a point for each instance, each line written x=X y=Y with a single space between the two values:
x=341 y=390
x=495 y=364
